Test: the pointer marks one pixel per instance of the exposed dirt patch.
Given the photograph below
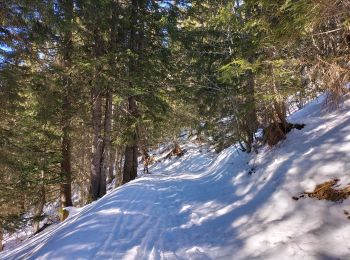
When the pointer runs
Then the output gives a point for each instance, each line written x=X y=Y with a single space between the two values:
x=327 y=191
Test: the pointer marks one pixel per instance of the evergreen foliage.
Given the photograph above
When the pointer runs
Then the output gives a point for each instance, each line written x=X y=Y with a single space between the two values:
x=86 y=85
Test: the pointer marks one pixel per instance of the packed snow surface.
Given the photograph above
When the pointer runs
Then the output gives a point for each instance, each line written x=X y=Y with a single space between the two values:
x=226 y=206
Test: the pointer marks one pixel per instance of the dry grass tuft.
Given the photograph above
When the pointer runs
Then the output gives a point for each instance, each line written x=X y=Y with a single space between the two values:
x=327 y=191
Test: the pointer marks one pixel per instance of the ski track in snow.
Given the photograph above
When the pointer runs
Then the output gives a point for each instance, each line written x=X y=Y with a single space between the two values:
x=203 y=206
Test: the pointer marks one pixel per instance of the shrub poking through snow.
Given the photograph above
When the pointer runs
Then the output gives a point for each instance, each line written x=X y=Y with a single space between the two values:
x=276 y=132
x=63 y=213
x=326 y=191
x=177 y=151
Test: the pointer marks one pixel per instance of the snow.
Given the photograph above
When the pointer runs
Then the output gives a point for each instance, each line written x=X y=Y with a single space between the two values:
x=347 y=85
x=11 y=240
x=207 y=206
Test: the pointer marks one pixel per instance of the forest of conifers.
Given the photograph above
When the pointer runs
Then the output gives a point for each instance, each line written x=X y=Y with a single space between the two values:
x=89 y=86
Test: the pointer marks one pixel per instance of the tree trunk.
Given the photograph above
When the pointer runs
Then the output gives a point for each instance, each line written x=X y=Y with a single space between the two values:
x=66 y=168
x=145 y=159
x=96 y=143
x=130 y=162
x=112 y=164
x=66 y=53
x=280 y=110
x=38 y=212
x=66 y=172
x=279 y=107
x=40 y=206
x=1 y=240
x=110 y=153
x=98 y=182
x=106 y=147
x=131 y=150
x=130 y=157
x=119 y=167
x=251 y=118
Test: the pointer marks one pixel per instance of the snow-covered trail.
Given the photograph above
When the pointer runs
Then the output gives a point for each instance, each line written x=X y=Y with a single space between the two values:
x=148 y=218
x=203 y=206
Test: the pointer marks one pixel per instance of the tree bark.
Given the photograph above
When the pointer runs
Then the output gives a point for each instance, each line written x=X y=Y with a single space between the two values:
x=106 y=147
x=66 y=53
x=66 y=168
x=39 y=210
x=131 y=150
x=251 y=118
x=40 y=205
x=101 y=146
x=145 y=159
x=1 y=240
x=96 y=143
x=110 y=153
x=112 y=164
x=279 y=108
x=119 y=167
x=98 y=182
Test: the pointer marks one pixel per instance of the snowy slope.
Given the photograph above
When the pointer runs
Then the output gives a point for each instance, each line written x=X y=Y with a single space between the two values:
x=208 y=207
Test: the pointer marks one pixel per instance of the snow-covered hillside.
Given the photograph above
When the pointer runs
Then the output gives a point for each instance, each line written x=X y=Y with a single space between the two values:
x=226 y=206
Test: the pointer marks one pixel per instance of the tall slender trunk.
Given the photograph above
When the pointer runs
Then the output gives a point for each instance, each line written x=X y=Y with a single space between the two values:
x=119 y=167
x=66 y=54
x=131 y=150
x=96 y=143
x=279 y=106
x=66 y=167
x=38 y=211
x=143 y=146
x=251 y=118
x=280 y=111
x=128 y=170
x=106 y=147
x=112 y=164
x=101 y=145
x=109 y=153
x=145 y=159
x=66 y=171
x=98 y=185
x=1 y=239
